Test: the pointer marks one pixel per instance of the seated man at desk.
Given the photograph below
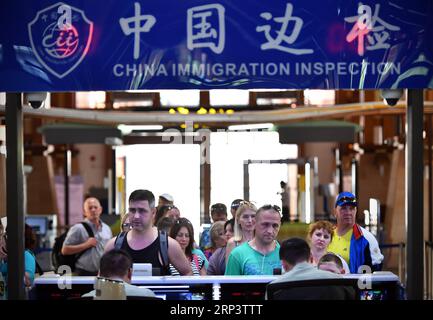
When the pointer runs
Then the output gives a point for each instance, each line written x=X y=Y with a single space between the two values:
x=117 y=265
x=295 y=254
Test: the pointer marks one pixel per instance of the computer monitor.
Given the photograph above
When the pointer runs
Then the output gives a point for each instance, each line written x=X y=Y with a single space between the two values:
x=141 y=269
x=377 y=294
x=383 y=290
x=38 y=223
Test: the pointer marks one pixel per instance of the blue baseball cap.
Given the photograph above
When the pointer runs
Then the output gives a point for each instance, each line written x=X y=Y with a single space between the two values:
x=346 y=199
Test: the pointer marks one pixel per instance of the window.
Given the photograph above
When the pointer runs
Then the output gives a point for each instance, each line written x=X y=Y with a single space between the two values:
x=229 y=97
x=176 y=98
x=90 y=100
x=319 y=97
x=166 y=168
x=228 y=152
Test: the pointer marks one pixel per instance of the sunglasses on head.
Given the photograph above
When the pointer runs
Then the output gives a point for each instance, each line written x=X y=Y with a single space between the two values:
x=246 y=203
x=346 y=201
x=237 y=204
x=183 y=221
x=271 y=207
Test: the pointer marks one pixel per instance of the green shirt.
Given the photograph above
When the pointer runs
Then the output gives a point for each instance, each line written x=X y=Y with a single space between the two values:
x=244 y=260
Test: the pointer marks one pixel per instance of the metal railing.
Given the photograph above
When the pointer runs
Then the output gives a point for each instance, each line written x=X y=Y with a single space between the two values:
x=401 y=264
x=401 y=258
x=428 y=270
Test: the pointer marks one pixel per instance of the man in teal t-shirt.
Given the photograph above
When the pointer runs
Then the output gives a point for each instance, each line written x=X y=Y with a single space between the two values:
x=260 y=256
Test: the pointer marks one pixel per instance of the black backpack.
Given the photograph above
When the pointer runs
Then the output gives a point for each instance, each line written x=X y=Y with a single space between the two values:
x=69 y=260
x=163 y=245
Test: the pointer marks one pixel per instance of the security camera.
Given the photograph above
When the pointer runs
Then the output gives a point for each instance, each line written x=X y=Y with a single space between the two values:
x=113 y=141
x=391 y=96
x=36 y=99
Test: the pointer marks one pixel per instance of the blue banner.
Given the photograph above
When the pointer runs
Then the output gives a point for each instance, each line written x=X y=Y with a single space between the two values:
x=83 y=45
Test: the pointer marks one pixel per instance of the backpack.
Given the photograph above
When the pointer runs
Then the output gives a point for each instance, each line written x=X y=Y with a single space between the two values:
x=59 y=259
x=163 y=245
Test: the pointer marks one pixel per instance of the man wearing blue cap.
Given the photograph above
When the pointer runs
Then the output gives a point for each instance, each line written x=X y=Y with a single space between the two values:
x=355 y=244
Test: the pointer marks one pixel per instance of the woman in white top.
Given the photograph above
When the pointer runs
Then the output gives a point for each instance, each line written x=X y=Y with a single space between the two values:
x=245 y=220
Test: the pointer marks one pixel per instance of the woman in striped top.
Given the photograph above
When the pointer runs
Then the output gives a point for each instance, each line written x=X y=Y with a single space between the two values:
x=183 y=232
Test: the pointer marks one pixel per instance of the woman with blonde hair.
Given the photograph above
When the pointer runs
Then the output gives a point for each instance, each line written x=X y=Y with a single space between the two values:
x=245 y=220
x=217 y=238
x=320 y=236
x=125 y=223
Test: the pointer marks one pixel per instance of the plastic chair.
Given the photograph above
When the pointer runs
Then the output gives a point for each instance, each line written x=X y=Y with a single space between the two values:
x=314 y=289
x=107 y=289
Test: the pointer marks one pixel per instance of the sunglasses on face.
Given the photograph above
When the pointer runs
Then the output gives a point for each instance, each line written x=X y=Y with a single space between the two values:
x=218 y=209
x=167 y=207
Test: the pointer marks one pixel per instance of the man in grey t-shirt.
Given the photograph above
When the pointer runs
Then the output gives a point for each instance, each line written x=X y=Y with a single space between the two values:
x=92 y=248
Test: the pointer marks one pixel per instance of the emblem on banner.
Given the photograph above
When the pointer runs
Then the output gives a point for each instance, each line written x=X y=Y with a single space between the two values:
x=60 y=36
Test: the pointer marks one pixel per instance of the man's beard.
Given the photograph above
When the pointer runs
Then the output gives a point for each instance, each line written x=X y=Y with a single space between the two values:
x=139 y=226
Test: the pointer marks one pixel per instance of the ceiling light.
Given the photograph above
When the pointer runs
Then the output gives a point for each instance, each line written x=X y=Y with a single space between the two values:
x=182 y=110
x=126 y=129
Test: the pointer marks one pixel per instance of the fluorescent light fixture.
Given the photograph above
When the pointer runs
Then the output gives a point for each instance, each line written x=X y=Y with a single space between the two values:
x=129 y=128
x=2 y=133
x=308 y=216
x=251 y=126
x=374 y=206
x=353 y=172
x=366 y=217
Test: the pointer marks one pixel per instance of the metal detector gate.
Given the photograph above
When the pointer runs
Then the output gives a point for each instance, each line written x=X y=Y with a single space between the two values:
x=311 y=182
